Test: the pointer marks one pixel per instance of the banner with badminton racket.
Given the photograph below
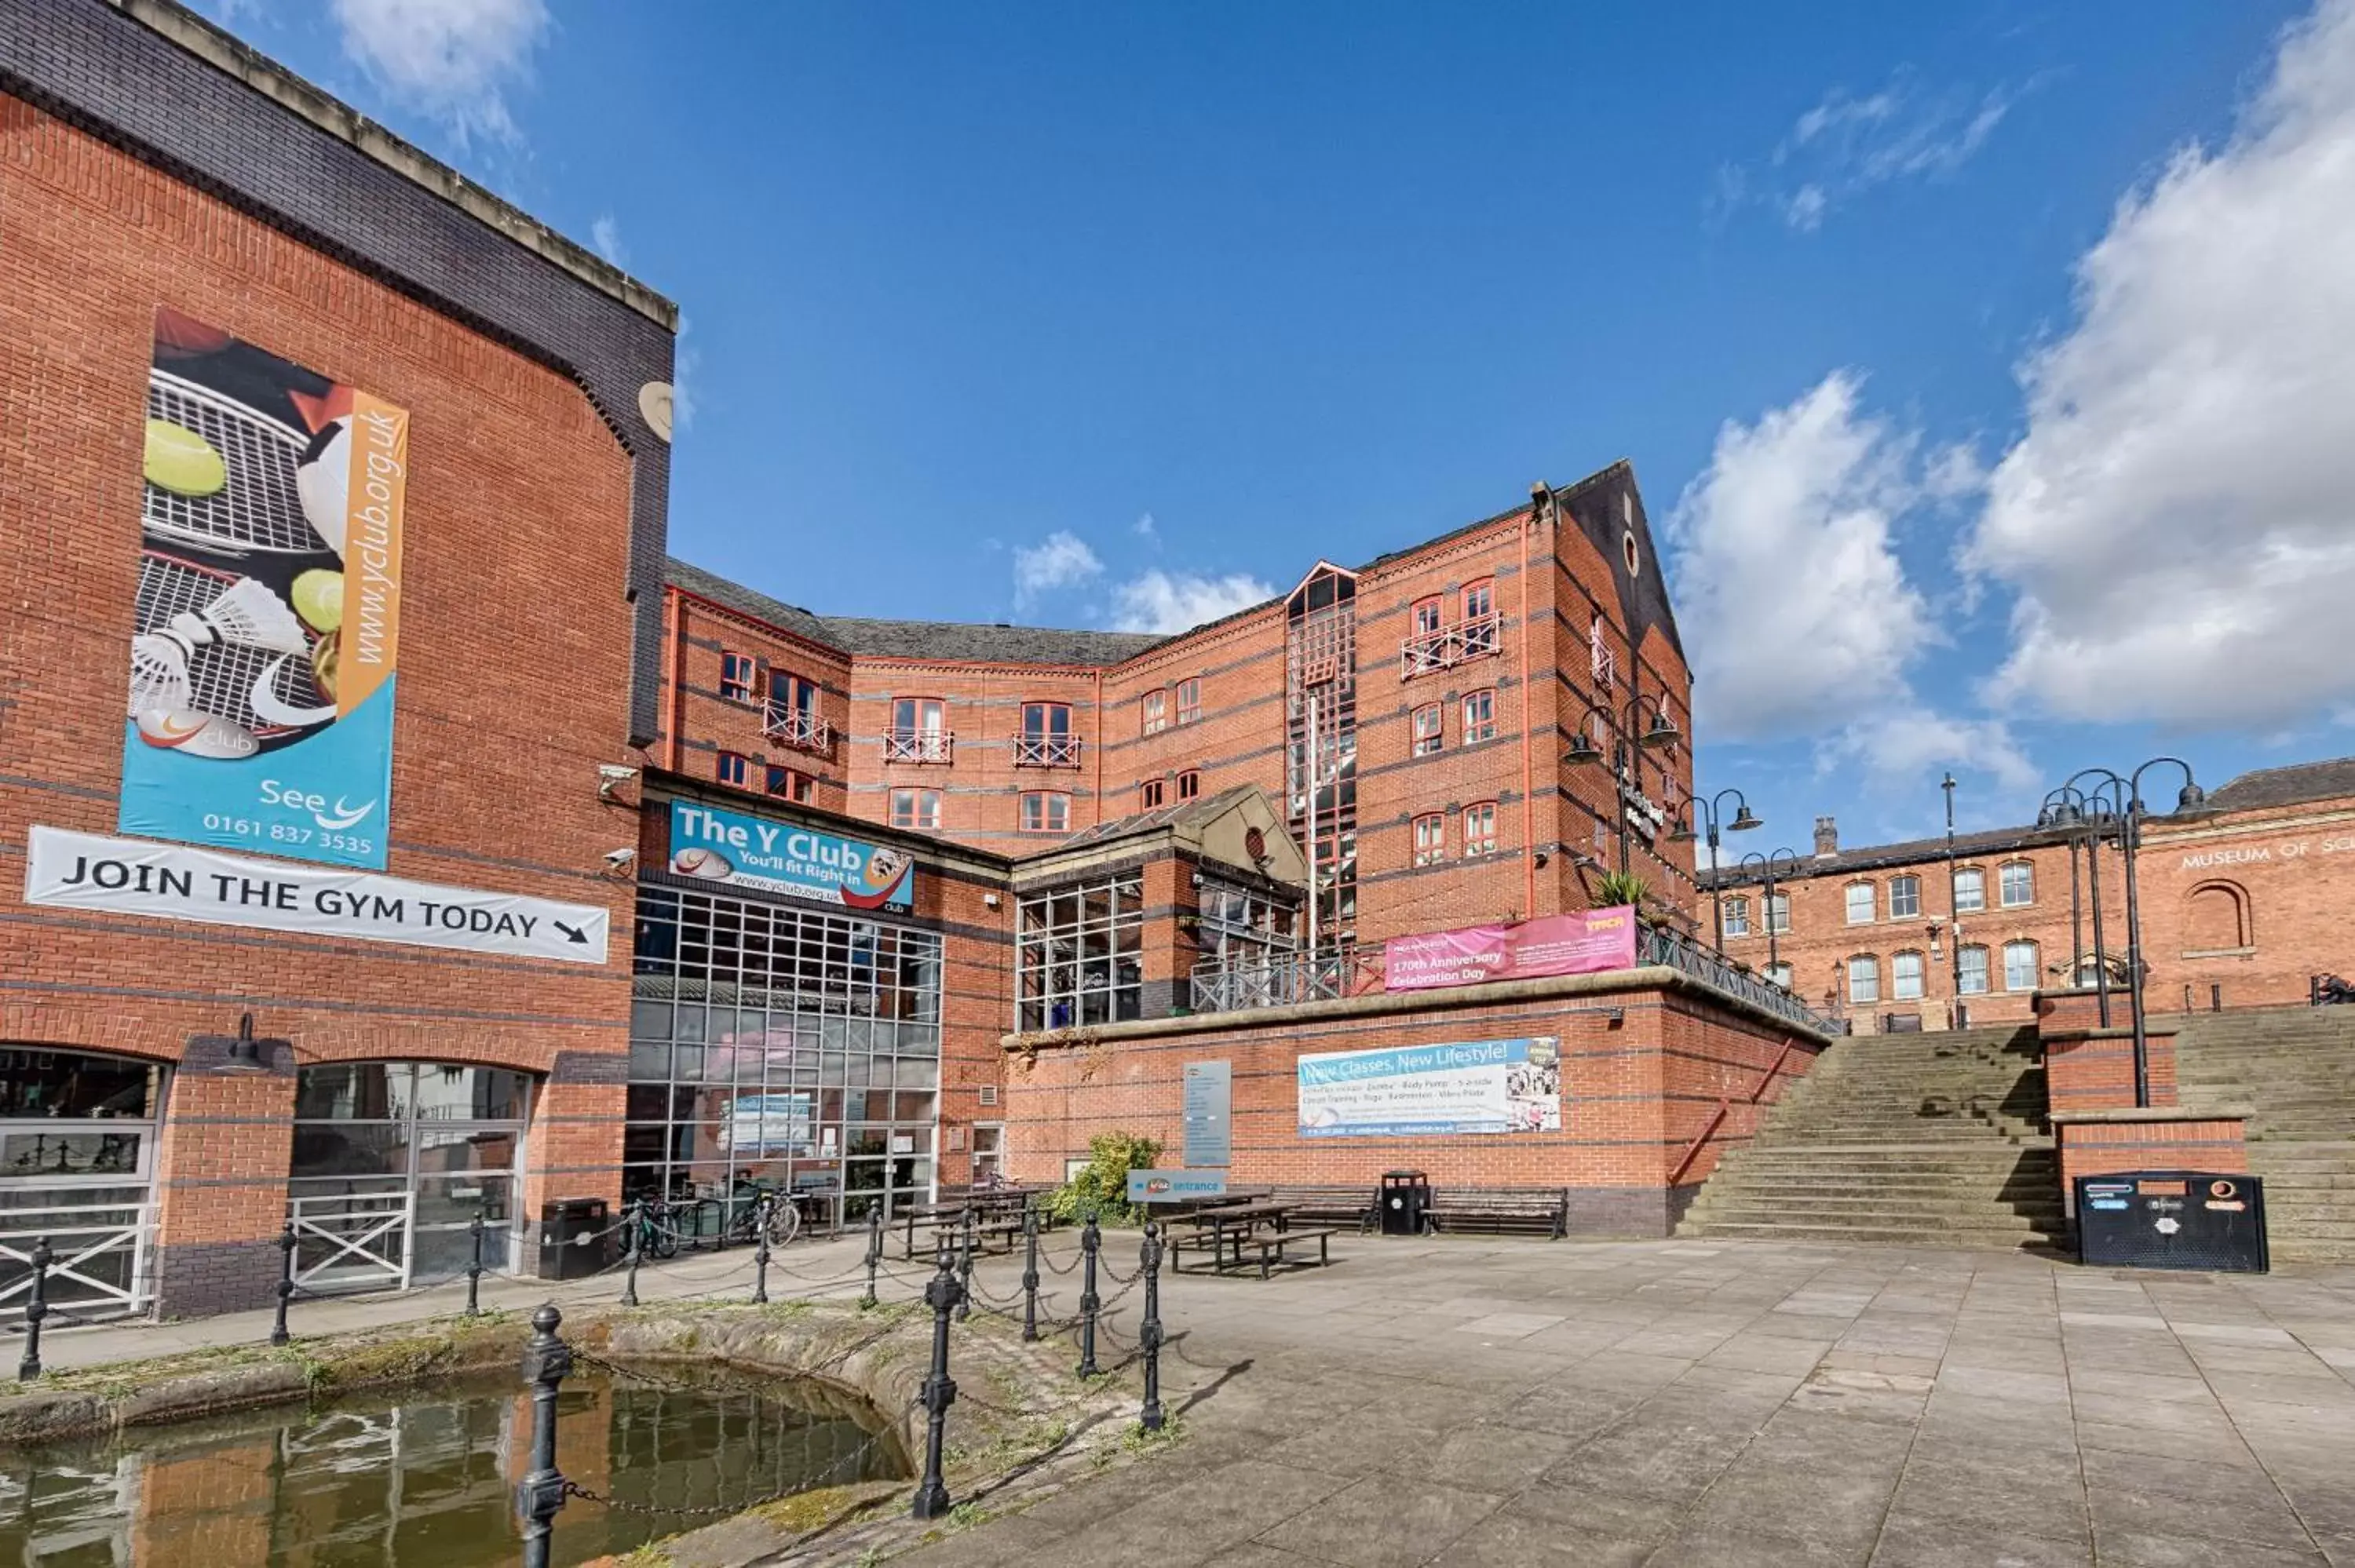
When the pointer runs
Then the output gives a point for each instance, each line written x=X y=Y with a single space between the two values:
x=265 y=646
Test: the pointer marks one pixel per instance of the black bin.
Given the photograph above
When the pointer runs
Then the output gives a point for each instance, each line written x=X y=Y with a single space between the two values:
x=2172 y=1219
x=570 y=1244
x=1404 y=1201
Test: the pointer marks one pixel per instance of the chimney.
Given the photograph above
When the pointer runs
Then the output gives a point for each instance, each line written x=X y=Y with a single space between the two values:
x=1826 y=838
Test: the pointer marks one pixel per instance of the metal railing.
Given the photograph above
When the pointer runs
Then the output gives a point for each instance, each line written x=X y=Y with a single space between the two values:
x=1046 y=751
x=797 y=728
x=918 y=745
x=356 y=1241
x=1284 y=978
x=1670 y=949
x=101 y=1264
x=1428 y=652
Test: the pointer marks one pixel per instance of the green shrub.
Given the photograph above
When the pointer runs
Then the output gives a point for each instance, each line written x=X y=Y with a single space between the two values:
x=1101 y=1186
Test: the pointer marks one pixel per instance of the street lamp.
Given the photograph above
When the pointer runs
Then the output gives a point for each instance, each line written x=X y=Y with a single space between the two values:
x=1770 y=866
x=1626 y=723
x=1709 y=806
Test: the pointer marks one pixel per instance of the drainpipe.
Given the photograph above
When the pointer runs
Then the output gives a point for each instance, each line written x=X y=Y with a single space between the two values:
x=675 y=654
x=1540 y=499
x=1099 y=743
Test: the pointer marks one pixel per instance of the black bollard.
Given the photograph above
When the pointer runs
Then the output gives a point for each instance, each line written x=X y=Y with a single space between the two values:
x=1091 y=1243
x=634 y=1217
x=940 y=1390
x=964 y=1269
x=1030 y=1271
x=278 y=1335
x=475 y=1269
x=37 y=1307
x=546 y=1360
x=1149 y=1333
x=874 y=1252
x=761 y=1251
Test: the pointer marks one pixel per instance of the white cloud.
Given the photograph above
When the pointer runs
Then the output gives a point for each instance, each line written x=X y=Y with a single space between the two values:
x=451 y=59
x=1058 y=561
x=605 y=236
x=1145 y=530
x=2178 y=519
x=1178 y=601
x=684 y=362
x=1847 y=145
x=1903 y=746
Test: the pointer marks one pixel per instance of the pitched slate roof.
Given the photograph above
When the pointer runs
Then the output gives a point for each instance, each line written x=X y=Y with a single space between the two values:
x=2290 y=786
x=1873 y=857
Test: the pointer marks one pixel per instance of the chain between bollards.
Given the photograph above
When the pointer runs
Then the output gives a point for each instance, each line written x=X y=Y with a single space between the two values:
x=761 y=1251
x=37 y=1307
x=874 y=1252
x=1091 y=1243
x=1149 y=1333
x=943 y=1294
x=964 y=1266
x=475 y=1269
x=278 y=1335
x=634 y=1218
x=539 y=1496
x=1030 y=1271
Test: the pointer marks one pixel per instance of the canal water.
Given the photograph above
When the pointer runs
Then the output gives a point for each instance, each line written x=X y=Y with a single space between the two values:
x=425 y=1477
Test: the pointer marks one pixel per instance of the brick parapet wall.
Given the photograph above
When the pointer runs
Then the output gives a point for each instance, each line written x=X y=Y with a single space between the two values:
x=2110 y=1146
x=2092 y=1069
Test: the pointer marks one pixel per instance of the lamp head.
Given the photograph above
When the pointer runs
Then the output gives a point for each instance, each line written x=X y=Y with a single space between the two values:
x=1581 y=749
x=2192 y=801
x=1662 y=731
x=1743 y=821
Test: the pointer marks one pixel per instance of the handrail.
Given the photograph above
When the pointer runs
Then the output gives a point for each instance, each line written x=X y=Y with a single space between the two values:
x=918 y=745
x=1426 y=652
x=797 y=728
x=1283 y=979
x=1047 y=751
x=1725 y=1108
x=1673 y=950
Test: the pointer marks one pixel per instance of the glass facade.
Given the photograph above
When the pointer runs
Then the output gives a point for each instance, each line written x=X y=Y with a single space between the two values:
x=776 y=1046
x=1079 y=954
x=77 y=1159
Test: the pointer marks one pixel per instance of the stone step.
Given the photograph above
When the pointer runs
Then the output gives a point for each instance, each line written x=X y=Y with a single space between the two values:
x=1991 y=1238
x=1863 y=1210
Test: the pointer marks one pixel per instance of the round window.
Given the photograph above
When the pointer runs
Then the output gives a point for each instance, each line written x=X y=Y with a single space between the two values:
x=1635 y=557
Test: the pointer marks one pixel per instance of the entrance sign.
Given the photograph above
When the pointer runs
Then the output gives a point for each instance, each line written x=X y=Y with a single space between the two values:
x=1175 y=1186
x=1591 y=941
x=719 y=845
x=1209 y=1115
x=1482 y=1086
x=128 y=876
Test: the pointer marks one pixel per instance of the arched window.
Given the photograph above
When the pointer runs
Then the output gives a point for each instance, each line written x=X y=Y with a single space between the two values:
x=1737 y=916
x=2017 y=883
x=2216 y=918
x=1905 y=977
x=1972 y=969
x=1860 y=895
x=1864 y=978
x=2020 y=966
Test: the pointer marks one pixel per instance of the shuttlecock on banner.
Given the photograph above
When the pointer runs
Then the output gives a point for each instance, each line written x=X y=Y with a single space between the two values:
x=323 y=479
x=159 y=674
x=247 y=613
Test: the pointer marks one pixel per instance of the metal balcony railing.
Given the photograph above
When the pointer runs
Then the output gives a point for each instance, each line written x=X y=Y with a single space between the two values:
x=797 y=728
x=1282 y=979
x=1046 y=751
x=1427 y=653
x=918 y=745
x=1671 y=948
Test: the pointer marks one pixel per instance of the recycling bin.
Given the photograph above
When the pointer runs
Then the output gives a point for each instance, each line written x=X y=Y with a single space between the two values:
x=1403 y=1200
x=573 y=1245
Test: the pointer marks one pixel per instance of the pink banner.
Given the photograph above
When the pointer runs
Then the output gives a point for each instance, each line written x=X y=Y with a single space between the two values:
x=1589 y=942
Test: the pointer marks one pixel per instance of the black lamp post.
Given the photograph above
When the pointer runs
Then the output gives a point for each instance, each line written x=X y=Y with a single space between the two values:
x=1770 y=868
x=1709 y=806
x=1624 y=722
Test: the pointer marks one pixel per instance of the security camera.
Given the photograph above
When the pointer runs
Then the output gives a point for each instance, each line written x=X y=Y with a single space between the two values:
x=620 y=859
x=612 y=776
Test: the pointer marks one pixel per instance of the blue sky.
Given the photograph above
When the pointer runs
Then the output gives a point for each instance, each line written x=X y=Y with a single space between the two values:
x=1981 y=362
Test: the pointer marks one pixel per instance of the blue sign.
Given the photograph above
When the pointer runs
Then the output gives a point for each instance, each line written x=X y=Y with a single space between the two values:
x=1175 y=1186
x=716 y=845
x=1468 y=1087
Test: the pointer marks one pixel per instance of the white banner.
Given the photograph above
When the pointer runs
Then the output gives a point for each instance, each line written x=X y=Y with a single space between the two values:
x=176 y=882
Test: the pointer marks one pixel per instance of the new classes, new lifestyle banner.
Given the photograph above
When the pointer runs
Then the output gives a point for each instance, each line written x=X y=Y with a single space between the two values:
x=266 y=641
x=1480 y=1086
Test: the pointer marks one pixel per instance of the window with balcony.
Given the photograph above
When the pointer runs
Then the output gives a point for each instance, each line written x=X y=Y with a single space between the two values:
x=916 y=808
x=791 y=784
x=1905 y=977
x=1480 y=718
x=918 y=732
x=1046 y=740
x=2020 y=966
x=1904 y=897
x=738 y=673
x=1479 y=617
x=1864 y=978
x=790 y=715
x=1602 y=663
x=733 y=768
x=1148 y=795
x=1430 y=729
x=1431 y=643
x=1189 y=700
x=1970 y=890
x=1859 y=903
x=1736 y=912
x=1480 y=828
x=1046 y=811
x=1189 y=784
x=1430 y=839
x=1153 y=713
x=2016 y=884
x=1971 y=964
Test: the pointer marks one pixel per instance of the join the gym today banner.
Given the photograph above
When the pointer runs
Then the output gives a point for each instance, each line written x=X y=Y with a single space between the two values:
x=266 y=644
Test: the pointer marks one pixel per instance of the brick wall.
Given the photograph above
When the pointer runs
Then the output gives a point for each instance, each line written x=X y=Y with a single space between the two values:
x=2241 y=910
x=2109 y=1147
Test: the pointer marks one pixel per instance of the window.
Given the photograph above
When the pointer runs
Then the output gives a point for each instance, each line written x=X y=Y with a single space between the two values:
x=2020 y=966
x=2017 y=883
x=1480 y=718
x=1430 y=839
x=791 y=713
x=1860 y=904
x=988 y=1149
x=1429 y=730
x=1046 y=811
x=737 y=673
x=1905 y=977
x=1241 y=928
x=1046 y=740
x=1779 y=974
x=1148 y=795
x=1480 y=828
x=1603 y=662
x=1189 y=784
x=1480 y=617
x=1737 y=916
x=1153 y=713
x=1778 y=914
x=789 y=784
x=1973 y=967
x=734 y=767
x=1079 y=954
x=1424 y=617
x=915 y=808
x=917 y=732
x=1864 y=978
x=1189 y=700
x=1970 y=889
x=1904 y=897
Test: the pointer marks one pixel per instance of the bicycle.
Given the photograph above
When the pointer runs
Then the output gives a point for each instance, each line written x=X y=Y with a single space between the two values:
x=657 y=1228
x=783 y=1214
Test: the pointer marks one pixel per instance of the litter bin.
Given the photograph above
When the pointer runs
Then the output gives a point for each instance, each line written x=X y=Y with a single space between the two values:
x=1404 y=1200
x=2172 y=1219
x=570 y=1244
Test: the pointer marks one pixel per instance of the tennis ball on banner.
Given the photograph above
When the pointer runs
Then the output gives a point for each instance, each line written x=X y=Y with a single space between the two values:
x=182 y=461
x=319 y=598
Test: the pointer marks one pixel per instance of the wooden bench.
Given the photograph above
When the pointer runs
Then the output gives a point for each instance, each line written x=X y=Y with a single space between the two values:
x=1351 y=1206
x=1519 y=1211
x=1270 y=1245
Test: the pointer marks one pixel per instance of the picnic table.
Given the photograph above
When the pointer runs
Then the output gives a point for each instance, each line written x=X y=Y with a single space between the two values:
x=996 y=1215
x=1257 y=1226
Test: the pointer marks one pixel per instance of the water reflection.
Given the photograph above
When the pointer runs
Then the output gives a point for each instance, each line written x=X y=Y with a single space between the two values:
x=426 y=1479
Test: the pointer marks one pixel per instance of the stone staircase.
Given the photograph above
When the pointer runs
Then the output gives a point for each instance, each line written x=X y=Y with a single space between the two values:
x=1926 y=1139
x=2293 y=1068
